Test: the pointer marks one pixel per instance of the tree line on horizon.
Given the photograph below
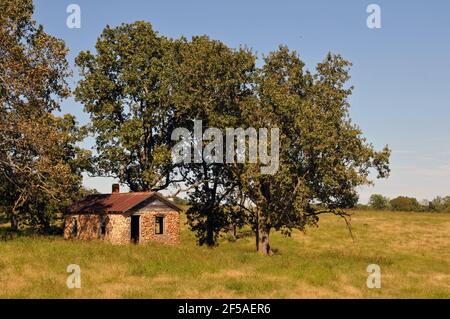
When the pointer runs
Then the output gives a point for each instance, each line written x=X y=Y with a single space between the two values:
x=137 y=87
x=407 y=204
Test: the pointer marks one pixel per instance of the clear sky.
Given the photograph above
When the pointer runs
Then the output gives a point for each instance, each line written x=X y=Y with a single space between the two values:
x=400 y=71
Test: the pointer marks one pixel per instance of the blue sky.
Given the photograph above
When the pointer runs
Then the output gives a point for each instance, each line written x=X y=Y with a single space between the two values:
x=400 y=72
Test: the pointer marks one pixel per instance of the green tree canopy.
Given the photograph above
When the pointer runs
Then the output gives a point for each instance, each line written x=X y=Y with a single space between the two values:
x=214 y=81
x=127 y=89
x=323 y=155
x=40 y=165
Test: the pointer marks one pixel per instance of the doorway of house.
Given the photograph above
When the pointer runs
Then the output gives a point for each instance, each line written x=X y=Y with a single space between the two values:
x=135 y=229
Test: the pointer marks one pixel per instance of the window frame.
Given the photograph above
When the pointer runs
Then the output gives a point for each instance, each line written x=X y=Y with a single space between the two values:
x=74 y=227
x=161 y=224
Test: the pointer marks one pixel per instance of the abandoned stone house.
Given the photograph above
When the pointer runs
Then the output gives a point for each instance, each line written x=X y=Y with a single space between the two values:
x=122 y=218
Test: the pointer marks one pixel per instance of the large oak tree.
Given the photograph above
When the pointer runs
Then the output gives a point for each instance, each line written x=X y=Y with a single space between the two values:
x=127 y=88
x=215 y=81
x=40 y=164
x=323 y=155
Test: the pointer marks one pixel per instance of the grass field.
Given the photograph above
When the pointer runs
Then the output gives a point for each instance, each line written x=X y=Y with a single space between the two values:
x=412 y=249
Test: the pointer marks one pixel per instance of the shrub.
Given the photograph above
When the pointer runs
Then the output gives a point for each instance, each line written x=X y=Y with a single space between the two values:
x=440 y=204
x=378 y=201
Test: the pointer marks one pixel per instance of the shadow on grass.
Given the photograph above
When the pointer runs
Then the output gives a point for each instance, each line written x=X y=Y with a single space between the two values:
x=6 y=233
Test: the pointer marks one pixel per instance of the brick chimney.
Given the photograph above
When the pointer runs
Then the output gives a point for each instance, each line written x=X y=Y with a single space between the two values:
x=115 y=188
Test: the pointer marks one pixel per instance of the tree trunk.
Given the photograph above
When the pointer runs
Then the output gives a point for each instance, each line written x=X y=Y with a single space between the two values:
x=209 y=234
x=46 y=226
x=263 y=241
x=257 y=230
x=14 y=222
x=262 y=236
x=232 y=231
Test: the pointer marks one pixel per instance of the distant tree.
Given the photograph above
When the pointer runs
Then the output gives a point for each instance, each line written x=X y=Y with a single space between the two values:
x=439 y=204
x=360 y=206
x=447 y=204
x=378 y=202
x=425 y=204
x=404 y=203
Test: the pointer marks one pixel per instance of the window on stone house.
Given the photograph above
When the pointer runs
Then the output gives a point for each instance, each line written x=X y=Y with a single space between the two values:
x=74 y=229
x=159 y=225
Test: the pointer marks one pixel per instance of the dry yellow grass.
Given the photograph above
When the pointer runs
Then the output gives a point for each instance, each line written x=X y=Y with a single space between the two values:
x=412 y=249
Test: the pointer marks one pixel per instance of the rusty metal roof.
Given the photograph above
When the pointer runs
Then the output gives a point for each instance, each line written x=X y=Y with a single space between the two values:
x=116 y=202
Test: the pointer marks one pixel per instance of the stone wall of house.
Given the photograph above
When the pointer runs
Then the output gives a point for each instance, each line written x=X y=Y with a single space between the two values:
x=171 y=233
x=68 y=225
x=118 y=227
x=88 y=227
